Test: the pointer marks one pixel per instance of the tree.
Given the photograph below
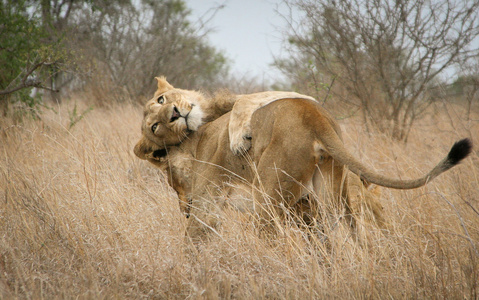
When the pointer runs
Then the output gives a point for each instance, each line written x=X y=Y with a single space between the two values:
x=32 y=48
x=118 y=46
x=20 y=37
x=386 y=53
x=134 y=42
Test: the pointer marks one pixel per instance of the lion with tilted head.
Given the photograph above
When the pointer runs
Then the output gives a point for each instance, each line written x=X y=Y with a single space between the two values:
x=283 y=147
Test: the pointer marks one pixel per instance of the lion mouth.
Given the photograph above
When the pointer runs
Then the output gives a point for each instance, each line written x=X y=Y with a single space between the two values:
x=160 y=153
x=186 y=121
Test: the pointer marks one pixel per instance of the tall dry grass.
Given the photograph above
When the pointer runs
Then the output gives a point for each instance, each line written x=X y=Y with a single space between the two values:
x=82 y=217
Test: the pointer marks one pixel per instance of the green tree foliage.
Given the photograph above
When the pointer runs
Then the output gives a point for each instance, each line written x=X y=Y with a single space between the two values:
x=20 y=42
x=32 y=50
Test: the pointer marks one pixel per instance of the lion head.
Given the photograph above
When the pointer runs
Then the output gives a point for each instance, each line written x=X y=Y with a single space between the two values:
x=167 y=119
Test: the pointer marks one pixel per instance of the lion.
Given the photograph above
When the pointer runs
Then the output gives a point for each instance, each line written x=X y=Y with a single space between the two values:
x=199 y=110
x=294 y=150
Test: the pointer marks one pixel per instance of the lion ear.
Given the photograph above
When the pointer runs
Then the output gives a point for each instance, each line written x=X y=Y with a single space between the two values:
x=163 y=85
x=142 y=149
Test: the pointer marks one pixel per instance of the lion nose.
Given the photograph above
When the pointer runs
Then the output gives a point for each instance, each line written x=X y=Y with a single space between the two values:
x=175 y=115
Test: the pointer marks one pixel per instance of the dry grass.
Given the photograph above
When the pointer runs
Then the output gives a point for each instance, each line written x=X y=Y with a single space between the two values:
x=81 y=217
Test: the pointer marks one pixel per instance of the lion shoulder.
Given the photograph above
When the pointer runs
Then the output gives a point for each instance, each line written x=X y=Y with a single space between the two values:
x=217 y=105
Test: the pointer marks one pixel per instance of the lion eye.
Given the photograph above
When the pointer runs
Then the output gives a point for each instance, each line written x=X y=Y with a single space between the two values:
x=161 y=100
x=153 y=127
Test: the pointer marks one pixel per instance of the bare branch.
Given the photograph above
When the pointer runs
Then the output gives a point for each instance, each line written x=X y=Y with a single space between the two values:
x=389 y=52
x=26 y=82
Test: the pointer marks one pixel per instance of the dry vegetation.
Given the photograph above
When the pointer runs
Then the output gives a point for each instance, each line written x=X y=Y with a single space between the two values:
x=82 y=217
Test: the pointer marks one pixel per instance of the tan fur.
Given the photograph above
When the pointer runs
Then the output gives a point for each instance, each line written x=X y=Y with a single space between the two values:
x=296 y=150
x=240 y=119
x=278 y=173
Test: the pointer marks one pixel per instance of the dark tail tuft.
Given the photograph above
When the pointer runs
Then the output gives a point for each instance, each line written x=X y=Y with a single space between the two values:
x=459 y=151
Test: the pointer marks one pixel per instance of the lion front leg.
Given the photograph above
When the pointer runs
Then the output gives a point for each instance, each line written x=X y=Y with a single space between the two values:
x=204 y=211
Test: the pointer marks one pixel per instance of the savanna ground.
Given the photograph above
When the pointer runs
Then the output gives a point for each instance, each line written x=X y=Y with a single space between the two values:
x=82 y=217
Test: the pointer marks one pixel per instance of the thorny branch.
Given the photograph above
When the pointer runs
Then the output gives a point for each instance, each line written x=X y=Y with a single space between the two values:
x=26 y=82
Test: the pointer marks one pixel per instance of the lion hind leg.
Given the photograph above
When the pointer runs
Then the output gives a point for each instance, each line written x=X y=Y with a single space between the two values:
x=278 y=187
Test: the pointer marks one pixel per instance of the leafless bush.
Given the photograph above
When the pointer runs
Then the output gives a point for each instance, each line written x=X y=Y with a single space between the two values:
x=385 y=54
x=134 y=42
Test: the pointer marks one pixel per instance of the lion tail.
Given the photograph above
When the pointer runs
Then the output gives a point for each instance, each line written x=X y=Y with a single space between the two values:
x=460 y=150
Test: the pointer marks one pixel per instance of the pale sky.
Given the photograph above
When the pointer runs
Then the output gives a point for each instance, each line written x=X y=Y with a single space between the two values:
x=248 y=31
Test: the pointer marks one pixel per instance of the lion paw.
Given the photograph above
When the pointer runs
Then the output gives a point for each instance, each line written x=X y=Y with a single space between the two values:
x=241 y=146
